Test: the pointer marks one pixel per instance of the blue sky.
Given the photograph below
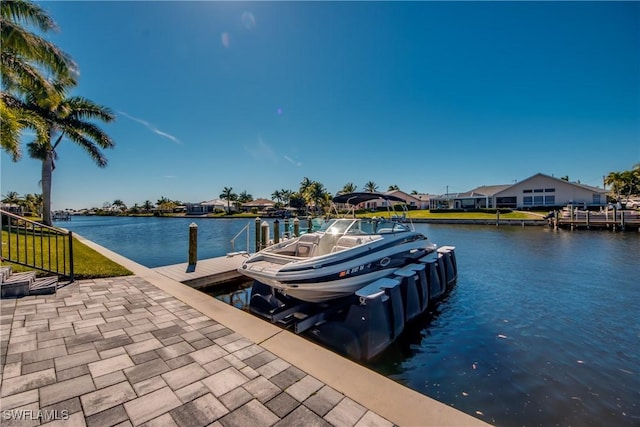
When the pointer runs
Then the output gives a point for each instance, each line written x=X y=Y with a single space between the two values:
x=428 y=96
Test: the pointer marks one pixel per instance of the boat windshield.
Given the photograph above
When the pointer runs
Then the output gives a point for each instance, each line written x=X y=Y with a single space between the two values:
x=337 y=226
x=362 y=226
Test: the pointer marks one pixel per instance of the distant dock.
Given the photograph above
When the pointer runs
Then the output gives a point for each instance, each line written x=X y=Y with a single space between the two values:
x=207 y=272
x=622 y=220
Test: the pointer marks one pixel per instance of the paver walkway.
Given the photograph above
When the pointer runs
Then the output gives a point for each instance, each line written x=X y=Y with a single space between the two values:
x=123 y=352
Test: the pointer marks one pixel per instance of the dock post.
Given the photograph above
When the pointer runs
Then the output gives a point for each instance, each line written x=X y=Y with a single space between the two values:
x=309 y=224
x=193 y=243
x=622 y=220
x=588 y=221
x=264 y=237
x=497 y=217
x=286 y=228
x=572 y=217
x=556 y=213
x=276 y=231
x=296 y=227
x=257 y=234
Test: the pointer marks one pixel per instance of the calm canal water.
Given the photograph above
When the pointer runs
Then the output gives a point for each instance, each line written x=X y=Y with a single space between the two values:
x=542 y=327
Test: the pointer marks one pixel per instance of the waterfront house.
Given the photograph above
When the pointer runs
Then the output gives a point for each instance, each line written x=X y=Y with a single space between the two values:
x=206 y=207
x=258 y=205
x=539 y=191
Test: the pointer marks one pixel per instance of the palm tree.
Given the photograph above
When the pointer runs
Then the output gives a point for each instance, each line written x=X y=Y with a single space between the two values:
x=286 y=196
x=244 y=197
x=24 y=58
x=371 y=187
x=67 y=118
x=119 y=204
x=277 y=196
x=147 y=205
x=228 y=195
x=165 y=205
x=11 y=197
x=349 y=187
x=393 y=188
x=305 y=184
x=615 y=179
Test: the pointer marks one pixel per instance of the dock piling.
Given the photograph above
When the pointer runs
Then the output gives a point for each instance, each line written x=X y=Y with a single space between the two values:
x=193 y=243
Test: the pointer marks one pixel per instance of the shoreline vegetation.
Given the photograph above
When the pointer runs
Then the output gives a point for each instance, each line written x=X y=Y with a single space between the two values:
x=412 y=214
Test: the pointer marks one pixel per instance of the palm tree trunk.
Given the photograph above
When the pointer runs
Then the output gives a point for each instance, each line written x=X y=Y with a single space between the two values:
x=47 y=171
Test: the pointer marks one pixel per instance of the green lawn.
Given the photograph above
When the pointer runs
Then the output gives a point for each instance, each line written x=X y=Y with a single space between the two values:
x=475 y=215
x=88 y=264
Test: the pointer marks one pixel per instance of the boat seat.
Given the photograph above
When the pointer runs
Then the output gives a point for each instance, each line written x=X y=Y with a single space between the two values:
x=305 y=250
x=346 y=242
x=307 y=245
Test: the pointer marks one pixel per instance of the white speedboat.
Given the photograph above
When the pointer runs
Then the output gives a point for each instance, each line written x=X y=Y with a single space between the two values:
x=340 y=258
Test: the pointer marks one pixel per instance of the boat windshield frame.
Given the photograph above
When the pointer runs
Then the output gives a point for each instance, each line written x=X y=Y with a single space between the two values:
x=362 y=226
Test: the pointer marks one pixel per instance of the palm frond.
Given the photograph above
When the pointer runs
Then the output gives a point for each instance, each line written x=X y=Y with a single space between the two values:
x=28 y=13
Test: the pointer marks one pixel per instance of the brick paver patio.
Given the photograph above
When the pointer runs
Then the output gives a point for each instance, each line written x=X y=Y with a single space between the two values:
x=123 y=352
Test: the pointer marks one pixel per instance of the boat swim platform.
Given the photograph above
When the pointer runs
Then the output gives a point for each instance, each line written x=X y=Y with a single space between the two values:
x=206 y=272
x=233 y=379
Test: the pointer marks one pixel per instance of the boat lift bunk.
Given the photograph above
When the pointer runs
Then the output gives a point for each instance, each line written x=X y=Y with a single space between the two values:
x=361 y=326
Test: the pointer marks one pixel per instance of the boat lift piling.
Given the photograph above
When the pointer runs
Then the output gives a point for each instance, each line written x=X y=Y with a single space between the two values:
x=364 y=324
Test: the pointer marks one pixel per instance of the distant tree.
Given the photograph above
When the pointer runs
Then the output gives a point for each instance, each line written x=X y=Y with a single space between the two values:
x=414 y=192
x=393 y=188
x=12 y=197
x=371 y=187
x=349 y=187
x=165 y=205
x=296 y=201
x=119 y=204
x=286 y=196
x=565 y=178
x=277 y=196
x=33 y=203
x=616 y=181
x=245 y=197
x=228 y=195
x=147 y=205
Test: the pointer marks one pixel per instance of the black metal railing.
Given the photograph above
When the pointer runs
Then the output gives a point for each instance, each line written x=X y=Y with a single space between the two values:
x=37 y=246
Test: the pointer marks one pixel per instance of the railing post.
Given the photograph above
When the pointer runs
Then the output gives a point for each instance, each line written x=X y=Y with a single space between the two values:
x=71 y=272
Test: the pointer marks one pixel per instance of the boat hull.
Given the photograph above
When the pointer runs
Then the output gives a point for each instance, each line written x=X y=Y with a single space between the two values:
x=335 y=275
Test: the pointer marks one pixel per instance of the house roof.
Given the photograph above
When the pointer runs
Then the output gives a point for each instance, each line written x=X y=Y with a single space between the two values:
x=214 y=202
x=484 y=191
x=584 y=186
x=259 y=203
x=403 y=195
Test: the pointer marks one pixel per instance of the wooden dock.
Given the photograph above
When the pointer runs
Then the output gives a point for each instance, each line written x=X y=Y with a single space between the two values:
x=207 y=272
x=612 y=220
